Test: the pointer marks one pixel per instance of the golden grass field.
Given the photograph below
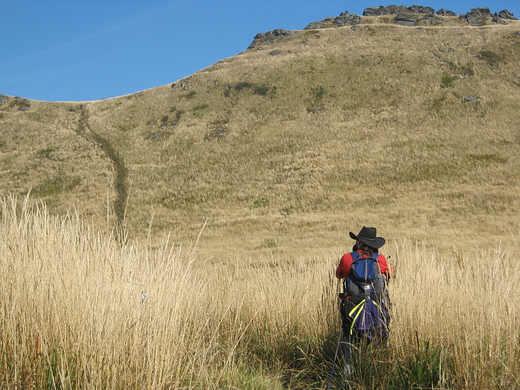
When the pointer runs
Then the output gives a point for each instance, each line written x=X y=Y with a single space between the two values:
x=81 y=311
x=255 y=169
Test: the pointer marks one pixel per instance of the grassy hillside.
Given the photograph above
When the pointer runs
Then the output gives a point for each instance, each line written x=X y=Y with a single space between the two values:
x=289 y=145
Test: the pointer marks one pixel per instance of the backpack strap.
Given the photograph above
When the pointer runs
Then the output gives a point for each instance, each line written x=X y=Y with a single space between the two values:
x=355 y=256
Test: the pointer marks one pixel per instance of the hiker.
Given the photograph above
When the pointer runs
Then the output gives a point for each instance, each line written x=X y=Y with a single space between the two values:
x=366 y=244
x=365 y=301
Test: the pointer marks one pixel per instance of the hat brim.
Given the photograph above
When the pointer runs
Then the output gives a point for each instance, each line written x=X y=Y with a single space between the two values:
x=375 y=243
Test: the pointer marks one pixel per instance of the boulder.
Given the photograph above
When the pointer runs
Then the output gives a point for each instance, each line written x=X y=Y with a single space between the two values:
x=273 y=33
x=418 y=9
x=344 y=19
x=505 y=14
x=481 y=12
x=497 y=19
x=22 y=103
x=434 y=19
x=320 y=24
x=443 y=12
x=381 y=10
x=472 y=99
x=405 y=19
x=472 y=19
x=269 y=37
x=478 y=16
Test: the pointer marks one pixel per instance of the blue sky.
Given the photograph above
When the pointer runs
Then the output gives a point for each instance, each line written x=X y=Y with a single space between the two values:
x=78 y=50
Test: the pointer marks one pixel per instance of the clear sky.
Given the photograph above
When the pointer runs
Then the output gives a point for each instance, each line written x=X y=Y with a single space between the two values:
x=79 y=50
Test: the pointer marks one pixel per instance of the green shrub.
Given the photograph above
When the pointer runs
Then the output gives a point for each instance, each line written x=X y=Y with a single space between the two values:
x=45 y=153
x=190 y=95
x=260 y=202
x=261 y=90
x=490 y=57
x=243 y=85
x=55 y=185
x=318 y=92
x=447 y=81
x=178 y=114
x=200 y=107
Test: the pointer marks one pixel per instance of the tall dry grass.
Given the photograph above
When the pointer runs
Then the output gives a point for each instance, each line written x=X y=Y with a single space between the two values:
x=81 y=311
x=465 y=304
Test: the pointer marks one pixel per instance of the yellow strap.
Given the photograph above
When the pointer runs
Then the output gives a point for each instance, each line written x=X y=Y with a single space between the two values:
x=359 y=308
x=356 y=307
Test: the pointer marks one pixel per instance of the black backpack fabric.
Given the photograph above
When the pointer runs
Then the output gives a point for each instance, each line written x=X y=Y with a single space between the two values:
x=365 y=302
x=365 y=318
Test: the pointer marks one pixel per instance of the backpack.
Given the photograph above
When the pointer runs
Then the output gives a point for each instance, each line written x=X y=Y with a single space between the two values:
x=365 y=303
x=365 y=318
x=365 y=276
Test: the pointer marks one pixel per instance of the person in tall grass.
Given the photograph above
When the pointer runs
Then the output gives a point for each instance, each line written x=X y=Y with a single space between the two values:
x=364 y=301
x=367 y=244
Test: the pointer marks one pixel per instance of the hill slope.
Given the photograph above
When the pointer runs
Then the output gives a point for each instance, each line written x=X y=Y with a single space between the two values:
x=296 y=141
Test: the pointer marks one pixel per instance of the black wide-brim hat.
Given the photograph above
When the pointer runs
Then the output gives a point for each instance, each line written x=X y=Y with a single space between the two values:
x=368 y=236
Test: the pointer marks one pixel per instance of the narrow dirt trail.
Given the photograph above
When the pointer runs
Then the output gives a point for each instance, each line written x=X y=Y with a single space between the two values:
x=121 y=174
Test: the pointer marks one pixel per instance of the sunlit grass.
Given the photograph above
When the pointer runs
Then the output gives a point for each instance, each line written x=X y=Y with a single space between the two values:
x=81 y=311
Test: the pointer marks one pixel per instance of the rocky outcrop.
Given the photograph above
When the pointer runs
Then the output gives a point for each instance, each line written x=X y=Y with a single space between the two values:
x=443 y=12
x=410 y=20
x=17 y=102
x=380 y=11
x=481 y=12
x=405 y=19
x=497 y=19
x=405 y=16
x=274 y=33
x=269 y=38
x=480 y=16
x=344 y=19
x=472 y=19
x=397 y=9
x=505 y=14
x=418 y=9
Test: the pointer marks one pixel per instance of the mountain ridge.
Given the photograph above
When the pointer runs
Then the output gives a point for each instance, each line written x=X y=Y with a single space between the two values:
x=404 y=15
x=476 y=17
x=266 y=149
